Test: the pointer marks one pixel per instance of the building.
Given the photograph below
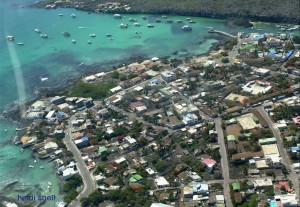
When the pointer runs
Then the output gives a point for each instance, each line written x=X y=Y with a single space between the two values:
x=257 y=87
x=69 y=172
x=190 y=119
x=161 y=182
x=262 y=183
x=168 y=76
x=209 y=163
x=262 y=72
x=200 y=189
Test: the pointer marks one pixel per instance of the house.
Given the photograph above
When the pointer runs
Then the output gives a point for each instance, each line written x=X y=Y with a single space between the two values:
x=190 y=119
x=168 y=76
x=69 y=172
x=200 y=189
x=131 y=141
x=82 y=142
x=116 y=89
x=209 y=163
x=236 y=186
x=296 y=120
x=161 y=182
x=103 y=113
x=283 y=184
x=262 y=72
x=135 y=178
x=160 y=205
x=187 y=192
x=238 y=197
x=195 y=177
x=262 y=183
x=241 y=157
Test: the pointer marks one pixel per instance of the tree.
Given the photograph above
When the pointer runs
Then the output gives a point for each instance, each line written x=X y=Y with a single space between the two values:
x=115 y=74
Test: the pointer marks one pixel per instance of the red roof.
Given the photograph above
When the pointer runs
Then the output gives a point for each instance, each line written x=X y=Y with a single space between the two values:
x=285 y=184
x=209 y=162
x=296 y=120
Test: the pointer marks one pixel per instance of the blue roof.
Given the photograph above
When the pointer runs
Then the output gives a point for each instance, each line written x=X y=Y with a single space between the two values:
x=60 y=115
x=295 y=148
x=154 y=81
x=84 y=139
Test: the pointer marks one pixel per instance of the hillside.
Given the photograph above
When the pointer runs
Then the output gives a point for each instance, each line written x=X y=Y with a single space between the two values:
x=260 y=10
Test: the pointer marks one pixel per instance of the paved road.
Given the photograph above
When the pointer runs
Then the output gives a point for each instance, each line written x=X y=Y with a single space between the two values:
x=283 y=153
x=224 y=162
x=88 y=181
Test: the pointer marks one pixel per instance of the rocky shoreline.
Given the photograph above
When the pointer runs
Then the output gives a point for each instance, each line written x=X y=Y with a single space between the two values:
x=210 y=13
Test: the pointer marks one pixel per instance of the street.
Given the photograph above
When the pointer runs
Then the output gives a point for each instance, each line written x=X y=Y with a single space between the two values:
x=89 y=183
x=224 y=162
x=283 y=153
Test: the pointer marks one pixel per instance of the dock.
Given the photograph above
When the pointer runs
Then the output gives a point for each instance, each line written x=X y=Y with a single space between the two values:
x=221 y=32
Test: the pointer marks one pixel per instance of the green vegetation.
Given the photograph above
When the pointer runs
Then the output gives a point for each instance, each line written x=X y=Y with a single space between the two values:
x=95 y=91
x=242 y=23
x=70 y=188
x=225 y=60
x=285 y=112
x=121 y=198
x=296 y=39
x=261 y=10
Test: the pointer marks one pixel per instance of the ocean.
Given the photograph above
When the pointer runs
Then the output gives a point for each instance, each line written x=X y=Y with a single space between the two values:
x=59 y=60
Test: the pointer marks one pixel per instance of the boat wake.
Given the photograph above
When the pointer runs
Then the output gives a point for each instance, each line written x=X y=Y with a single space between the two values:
x=82 y=27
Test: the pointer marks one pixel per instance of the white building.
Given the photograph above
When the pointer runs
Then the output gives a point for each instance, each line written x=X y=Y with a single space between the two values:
x=69 y=172
x=262 y=72
x=168 y=76
x=161 y=182
x=190 y=119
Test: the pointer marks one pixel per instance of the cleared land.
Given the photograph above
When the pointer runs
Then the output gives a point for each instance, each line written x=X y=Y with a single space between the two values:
x=247 y=122
x=234 y=129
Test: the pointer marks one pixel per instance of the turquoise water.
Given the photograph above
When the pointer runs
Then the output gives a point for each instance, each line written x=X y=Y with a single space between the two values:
x=22 y=67
x=272 y=204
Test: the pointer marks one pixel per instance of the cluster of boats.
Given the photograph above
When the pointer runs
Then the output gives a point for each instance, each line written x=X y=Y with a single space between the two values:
x=135 y=23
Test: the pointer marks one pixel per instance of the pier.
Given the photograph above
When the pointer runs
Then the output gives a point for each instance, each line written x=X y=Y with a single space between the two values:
x=221 y=32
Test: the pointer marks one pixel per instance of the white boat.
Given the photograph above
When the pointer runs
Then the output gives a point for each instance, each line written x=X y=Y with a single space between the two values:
x=37 y=30
x=186 y=28
x=122 y=25
x=22 y=150
x=73 y=15
x=44 y=36
x=42 y=167
x=132 y=20
x=48 y=187
x=49 y=183
x=150 y=25
x=73 y=41
x=89 y=42
x=44 y=79
x=164 y=16
x=137 y=24
x=10 y=38
x=60 y=15
x=117 y=16
x=20 y=43
x=5 y=130
x=31 y=166
x=92 y=35
x=188 y=19
x=108 y=35
x=34 y=160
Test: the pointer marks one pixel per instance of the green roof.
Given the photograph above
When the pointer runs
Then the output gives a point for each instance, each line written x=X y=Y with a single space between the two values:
x=267 y=140
x=102 y=149
x=135 y=178
x=236 y=186
x=230 y=137
x=255 y=119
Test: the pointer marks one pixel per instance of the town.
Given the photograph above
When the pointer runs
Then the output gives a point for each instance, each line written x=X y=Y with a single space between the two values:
x=214 y=130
